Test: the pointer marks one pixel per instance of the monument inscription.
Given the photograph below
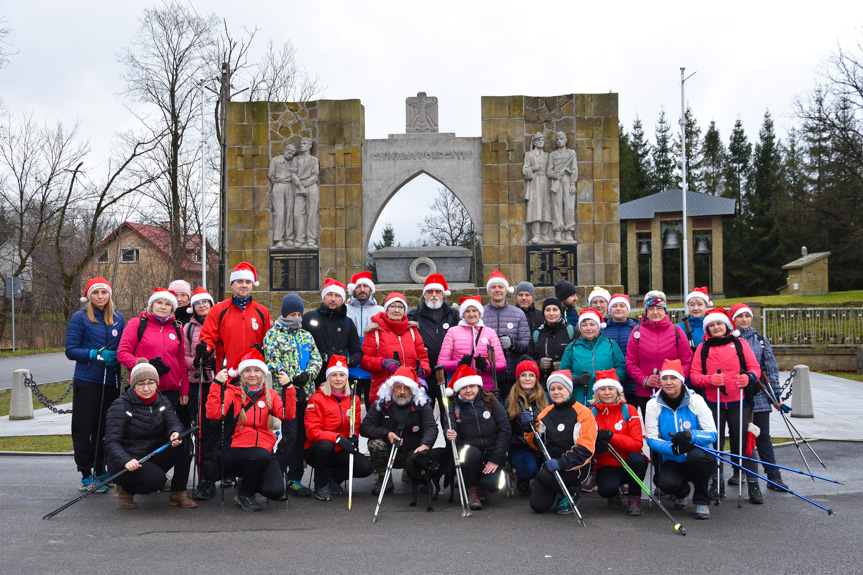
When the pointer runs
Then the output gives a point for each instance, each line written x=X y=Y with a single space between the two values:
x=294 y=270
x=546 y=264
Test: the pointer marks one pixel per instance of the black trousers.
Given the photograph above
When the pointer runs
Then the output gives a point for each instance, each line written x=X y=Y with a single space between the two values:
x=294 y=455
x=764 y=444
x=258 y=469
x=151 y=475
x=546 y=488
x=609 y=477
x=675 y=476
x=472 y=463
x=434 y=392
x=329 y=463
x=88 y=423
x=729 y=413
x=364 y=388
x=286 y=444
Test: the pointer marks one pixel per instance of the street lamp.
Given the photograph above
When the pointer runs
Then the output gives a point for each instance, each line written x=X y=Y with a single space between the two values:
x=685 y=253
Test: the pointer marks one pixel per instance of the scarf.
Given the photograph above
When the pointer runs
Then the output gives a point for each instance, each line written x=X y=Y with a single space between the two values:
x=241 y=302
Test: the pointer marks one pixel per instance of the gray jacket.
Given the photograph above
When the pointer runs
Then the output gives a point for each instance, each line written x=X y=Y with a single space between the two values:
x=509 y=320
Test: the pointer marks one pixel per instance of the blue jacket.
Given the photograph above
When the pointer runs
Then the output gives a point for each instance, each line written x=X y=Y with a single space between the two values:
x=696 y=324
x=619 y=333
x=662 y=422
x=82 y=335
x=767 y=361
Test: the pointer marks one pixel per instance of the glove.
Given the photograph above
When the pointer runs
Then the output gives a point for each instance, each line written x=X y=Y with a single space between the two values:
x=604 y=434
x=300 y=379
x=160 y=366
x=110 y=357
x=552 y=465
x=556 y=365
x=654 y=381
x=601 y=446
x=94 y=353
x=390 y=365
x=201 y=350
x=466 y=359
x=526 y=418
x=681 y=449
x=421 y=373
x=355 y=441
x=210 y=363
x=717 y=380
x=301 y=392
x=346 y=445
x=196 y=363
x=505 y=341
x=545 y=363
x=481 y=363
x=682 y=438
x=351 y=362
x=582 y=380
x=741 y=380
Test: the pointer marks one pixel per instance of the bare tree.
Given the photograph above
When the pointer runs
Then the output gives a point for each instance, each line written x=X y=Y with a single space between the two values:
x=278 y=77
x=6 y=51
x=449 y=223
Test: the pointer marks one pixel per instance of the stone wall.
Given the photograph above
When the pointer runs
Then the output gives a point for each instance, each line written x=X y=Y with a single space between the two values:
x=840 y=358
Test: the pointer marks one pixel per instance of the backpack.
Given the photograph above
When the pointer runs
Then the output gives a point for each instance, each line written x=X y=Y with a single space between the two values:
x=752 y=387
x=570 y=331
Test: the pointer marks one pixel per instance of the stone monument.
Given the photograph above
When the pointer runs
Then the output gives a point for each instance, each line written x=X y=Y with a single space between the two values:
x=421 y=114
x=537 y=201
x=282 y=198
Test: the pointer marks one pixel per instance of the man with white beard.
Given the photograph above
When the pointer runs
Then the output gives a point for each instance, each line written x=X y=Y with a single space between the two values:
x=434 y=317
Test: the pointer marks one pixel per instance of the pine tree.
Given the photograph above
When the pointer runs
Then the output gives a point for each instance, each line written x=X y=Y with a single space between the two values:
x=664 y=177
x=713 y=162
x=692 y=133
x=388 y=240
x=628 y=185
x=641 y=156
x=739 y=164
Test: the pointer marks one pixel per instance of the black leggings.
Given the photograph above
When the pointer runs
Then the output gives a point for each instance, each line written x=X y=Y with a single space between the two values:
x=329 y=463
x=730 y=413
x=294 y=455
x=258 y=469
x=150 y=476
x=472 y=463
x=88 y=422
x=609 y=477
x=674 y=476
x=764 y=444
x=546 y=488
x=364 y=388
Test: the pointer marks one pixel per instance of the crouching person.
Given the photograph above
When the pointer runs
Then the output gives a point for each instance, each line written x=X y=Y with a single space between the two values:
x=569 y=433
x=676 y=420
x=252 y=411
x=401 y=413
x=138 y=422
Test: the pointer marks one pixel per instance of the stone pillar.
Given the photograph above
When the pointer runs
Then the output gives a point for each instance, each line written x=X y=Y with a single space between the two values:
x=801 y=393
x=718 y=286
x=655 y=255
x=21 y=402
x=631 y=259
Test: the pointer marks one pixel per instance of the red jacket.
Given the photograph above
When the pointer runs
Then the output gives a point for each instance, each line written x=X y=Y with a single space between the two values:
x=627 y=437
x=256 y=432
x=382 y=338
x=722 y=357
x=231 y=331
x=158 y=340
x=649 y=345
x=327 y=417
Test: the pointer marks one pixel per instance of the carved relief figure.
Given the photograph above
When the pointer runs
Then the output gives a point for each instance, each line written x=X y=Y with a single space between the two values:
x=282 y=197
x=421 y=113
x=305 y=170
x=536 y=193
x=563 y=175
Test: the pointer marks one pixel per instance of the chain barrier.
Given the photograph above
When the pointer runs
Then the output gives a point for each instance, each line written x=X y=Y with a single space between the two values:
x=45 y=401
x=787 y=385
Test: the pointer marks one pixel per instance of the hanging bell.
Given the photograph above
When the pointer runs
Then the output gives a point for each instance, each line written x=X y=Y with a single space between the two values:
x=672 y=241
x=702 y=247
x=644 y=247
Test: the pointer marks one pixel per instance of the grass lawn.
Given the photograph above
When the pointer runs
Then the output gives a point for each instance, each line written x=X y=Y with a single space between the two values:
x=846 y=375
x=838 y=298
x=47 y=443
x=52 y=391
x=9 y=352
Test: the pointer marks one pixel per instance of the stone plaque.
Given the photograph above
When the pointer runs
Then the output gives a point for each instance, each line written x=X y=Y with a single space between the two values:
x=294 y=270
x=546 y=264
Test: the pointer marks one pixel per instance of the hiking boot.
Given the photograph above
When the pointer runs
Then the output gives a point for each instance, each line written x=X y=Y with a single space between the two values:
x=473 y=499
x=379 y=481
x=181 y=499
x=589 y=483
x=247 y=502
x=483 y=495
x=735 y=478
x=298 y=488
x=755 y=496
x=635 y=506
x=124 y=499
x=334 y=486
x=523 y=485
x=206 y=489
x=563 y=506
x=323 y=493
x=227 y=482
x=779 y=484
x=614 y=501
x=716 y=490
x=702 y=512
x=680 y=503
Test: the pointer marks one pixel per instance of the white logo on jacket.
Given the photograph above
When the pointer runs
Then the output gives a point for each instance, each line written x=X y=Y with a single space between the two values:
x=254 y=324
x=172 y=337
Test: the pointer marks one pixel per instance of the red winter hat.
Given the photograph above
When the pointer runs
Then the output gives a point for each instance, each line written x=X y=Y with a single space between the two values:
x=96 y=283
x=333 y=286
x=498 y=278
x=620 y=298
x=245 y=271
x=162 y=293
x=590 y=313
x=198 y=295
x=463 y=376
x=720 y=314
x=251 y=358
x=672 y=367
x=700 y=292
x=607 y=377
x=436 y=281
x=739 y=308
x=526 y=365
x=338 y=363
x=407 y=376
x=466 y=302
x=395 y=297
x=362 y=278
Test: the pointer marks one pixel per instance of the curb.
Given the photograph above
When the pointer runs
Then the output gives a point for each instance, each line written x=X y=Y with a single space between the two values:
x=40 y=453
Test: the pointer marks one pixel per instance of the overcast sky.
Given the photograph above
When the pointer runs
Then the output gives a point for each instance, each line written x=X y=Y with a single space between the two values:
x=749 y=56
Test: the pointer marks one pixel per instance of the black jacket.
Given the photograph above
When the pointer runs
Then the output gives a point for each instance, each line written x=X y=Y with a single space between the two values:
x=535 y=318
x=490 y=434
x=551 y=341
x=518 y=440
x=431 y=324
x=334 y=334
x=420 y=427
x=148 y=428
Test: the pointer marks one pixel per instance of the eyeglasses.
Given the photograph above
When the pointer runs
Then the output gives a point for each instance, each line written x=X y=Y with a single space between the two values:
x=147 y=383
x=396 y=306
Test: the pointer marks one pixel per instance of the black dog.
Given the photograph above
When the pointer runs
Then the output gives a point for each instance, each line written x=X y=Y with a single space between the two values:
x=421 y=467
x=446 y=470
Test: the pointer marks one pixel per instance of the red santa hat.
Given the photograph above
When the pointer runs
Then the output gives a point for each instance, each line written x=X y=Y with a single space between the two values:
x=333 y=286
x=498 y=278
x=199 y=294
x=407 y=376
x=700 y=292
x=598 y=292
x=394 y=297
x=562 y=376
x=721 y=314
x=436 y=281
x=338 y=363
x=251 y=358
x=245 y=271
x=361 y=279
x=96 y=283
x=463 y=376
x=620 y=298
x=470 y=301
x=738 y=309
x=590 y=313
x=606 y=377
x=162 y=293
x=672 y=367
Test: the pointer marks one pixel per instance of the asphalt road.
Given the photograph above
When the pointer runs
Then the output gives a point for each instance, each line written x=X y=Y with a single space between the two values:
x=785 y=535
x=45 y=367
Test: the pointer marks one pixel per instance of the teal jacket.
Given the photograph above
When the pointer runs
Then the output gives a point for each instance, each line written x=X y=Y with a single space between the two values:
x=292 y=351
x=591 y=356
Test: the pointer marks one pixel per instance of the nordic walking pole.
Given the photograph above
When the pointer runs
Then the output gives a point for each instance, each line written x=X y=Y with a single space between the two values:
x=492 y=365
x=222 y=444
x=556 y=474
x=740 y=450
x=393 y=451
x=119 y=473
x=462 y=491
x=99 y=421
x=776 y=466
x=351 y=456
x=677 y=526
x=829 y=511
x=769 y=391
x=719 y=486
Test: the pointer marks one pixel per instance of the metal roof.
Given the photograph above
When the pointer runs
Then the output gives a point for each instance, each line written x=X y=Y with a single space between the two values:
x=697 y=204
x=806 y=260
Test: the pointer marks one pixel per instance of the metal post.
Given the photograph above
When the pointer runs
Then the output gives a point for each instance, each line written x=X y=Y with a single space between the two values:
x=223 y=189
x=203 y=196
x=13 y=312
x=683 y=166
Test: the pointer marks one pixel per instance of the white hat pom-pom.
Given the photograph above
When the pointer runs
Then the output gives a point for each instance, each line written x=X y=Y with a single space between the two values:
x=189 y=309
x=447 y=292
x=233 y=372
x=448 y=392
x=603 y=325
x=736 y=333
x=84 y=299
x=754 y=429
x=510 y=289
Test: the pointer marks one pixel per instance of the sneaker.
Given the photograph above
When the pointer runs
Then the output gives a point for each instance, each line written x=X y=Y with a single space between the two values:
x=247 y=502
x=717 y=490
x=614 y=501
x=206 y=489
x=680 y=503
x=323 y=494
x=702 y=512
x=589 y=483
x=734 y=479
x=227 y=482
x=779 y=484
x=635 y=506
x=167 y=486
x=102 y=479
x=523 y=485
x=473 y=499
x=335 y=488
x=624 y=490
x=755 y=496
x=298 y=488
x=86 y=484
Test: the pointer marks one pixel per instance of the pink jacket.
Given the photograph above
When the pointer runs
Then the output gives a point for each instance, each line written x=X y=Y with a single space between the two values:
x=158 y=340
x=649 y=345
x=193 y=329
x=723 y=357
x=462 y=339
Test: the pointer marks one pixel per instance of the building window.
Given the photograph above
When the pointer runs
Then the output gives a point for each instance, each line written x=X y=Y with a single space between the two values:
x=197 y=256
x=103 y=258
x=129 y=255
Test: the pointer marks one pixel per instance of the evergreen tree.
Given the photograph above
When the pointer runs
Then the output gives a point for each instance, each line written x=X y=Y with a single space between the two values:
x=692 y=133
x=664 y=177
x=628 y=185
x=739 y=164
x=713 y=163
x=388 y=240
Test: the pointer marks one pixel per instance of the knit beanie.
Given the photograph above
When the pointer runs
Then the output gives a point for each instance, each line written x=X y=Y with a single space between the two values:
x=525 y=286
x=552 y=301
x=180 y=286
x=142 y=370
x=292 y=303
x=564 y=289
